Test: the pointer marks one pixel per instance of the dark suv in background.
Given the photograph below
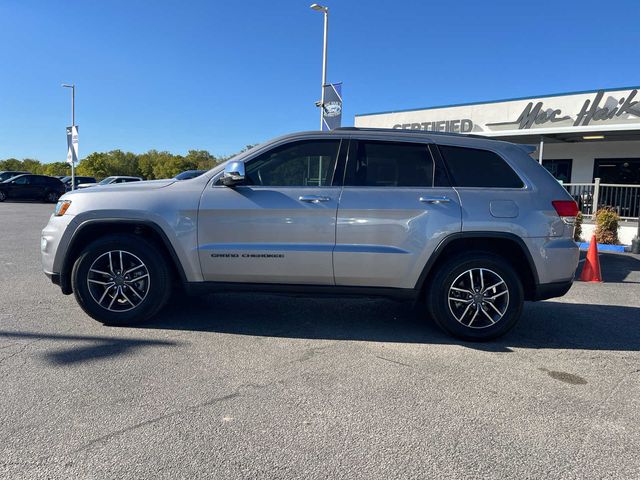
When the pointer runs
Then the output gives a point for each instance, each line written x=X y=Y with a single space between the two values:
x=77 y=181
x=32 y=187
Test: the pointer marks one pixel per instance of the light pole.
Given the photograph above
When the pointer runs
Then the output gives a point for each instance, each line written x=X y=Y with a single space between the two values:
x=325 y=11
x=73 y=124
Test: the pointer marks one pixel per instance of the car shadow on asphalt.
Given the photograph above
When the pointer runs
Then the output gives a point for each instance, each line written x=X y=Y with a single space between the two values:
x=93 y=348
x=616 y=267
x=549 y=324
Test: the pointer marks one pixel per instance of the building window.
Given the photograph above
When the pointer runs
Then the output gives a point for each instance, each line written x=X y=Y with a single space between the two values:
x=617 y=170
x=560 y=169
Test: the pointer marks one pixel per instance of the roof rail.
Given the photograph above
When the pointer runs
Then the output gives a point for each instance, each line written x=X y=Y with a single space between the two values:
x=408 y=130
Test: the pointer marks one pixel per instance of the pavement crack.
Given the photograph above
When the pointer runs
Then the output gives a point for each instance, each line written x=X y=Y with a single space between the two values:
x=123 y=431
x=18 y=352
x=393 y=361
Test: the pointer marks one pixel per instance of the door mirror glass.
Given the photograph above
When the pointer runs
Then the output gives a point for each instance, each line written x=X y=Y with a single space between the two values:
x=233 y=174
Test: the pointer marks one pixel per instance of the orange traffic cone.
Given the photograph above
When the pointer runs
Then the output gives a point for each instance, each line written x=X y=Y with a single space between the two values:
x=591 y=269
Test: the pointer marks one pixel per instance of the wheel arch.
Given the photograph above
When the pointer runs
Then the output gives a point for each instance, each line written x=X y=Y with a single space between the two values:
x=501 y=243
x=91 y=229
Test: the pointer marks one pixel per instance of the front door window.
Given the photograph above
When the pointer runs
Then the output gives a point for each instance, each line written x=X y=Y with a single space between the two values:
x=299 y=164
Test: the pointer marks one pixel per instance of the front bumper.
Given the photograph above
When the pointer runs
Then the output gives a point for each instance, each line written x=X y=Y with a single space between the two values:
x=50 y=240
x=54 y=277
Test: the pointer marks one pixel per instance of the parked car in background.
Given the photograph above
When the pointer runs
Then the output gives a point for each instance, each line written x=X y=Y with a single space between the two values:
x=77 y=180
x=471 y=226
x=7 y=174
x=188 y=174
x=32 y=187
x=111 y=180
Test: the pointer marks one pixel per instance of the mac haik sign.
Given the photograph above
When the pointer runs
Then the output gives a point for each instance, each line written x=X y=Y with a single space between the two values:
x=584 y=111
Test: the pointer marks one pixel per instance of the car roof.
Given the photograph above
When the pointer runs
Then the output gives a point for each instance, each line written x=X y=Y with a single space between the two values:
x=449 y=138
x=409 y=131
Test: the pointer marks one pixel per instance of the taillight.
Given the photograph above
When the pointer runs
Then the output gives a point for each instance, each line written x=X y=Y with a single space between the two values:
x=566 y=208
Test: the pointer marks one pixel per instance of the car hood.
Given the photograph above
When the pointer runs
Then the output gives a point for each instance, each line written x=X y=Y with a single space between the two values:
x=128 y=187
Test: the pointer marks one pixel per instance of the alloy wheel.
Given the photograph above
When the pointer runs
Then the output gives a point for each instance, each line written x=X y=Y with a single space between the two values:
x=478 y=298
x=118 y=281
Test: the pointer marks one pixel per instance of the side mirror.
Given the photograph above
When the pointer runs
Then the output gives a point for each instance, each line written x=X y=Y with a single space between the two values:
x=233 y=174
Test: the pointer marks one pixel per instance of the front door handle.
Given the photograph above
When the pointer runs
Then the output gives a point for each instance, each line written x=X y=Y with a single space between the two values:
x=313 y=198
x=435 y=199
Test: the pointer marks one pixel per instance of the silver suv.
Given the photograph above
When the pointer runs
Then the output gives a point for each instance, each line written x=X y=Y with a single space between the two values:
x=470 y=226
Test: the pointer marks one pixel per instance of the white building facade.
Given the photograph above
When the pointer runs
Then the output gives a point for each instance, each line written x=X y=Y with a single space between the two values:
x=581 y=136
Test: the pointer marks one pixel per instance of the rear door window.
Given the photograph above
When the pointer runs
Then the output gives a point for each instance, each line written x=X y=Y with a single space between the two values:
x=471 y=167
x=390 y=164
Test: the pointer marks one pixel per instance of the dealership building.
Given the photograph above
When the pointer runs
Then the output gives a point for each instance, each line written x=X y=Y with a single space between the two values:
x=580 y=136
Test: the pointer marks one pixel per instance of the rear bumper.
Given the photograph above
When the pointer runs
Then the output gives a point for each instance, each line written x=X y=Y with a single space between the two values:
x=544 y=291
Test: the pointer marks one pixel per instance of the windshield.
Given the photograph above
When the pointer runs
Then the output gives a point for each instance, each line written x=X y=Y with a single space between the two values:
x=7 y=175
x=107 y=181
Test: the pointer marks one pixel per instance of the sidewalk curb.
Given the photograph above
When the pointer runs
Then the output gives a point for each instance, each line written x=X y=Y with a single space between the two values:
x=604 y=248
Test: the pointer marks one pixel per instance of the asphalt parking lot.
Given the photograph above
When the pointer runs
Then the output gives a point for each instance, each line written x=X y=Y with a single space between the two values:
x=255 y=386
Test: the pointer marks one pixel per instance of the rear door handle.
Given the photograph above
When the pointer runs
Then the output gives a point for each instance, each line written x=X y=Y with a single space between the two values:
x=313 y=198
x=435 y=199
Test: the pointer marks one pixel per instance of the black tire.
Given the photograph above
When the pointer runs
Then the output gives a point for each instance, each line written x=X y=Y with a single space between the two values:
x=454 y=273
x=148 y=301
x=51 y=197
x=3 y=196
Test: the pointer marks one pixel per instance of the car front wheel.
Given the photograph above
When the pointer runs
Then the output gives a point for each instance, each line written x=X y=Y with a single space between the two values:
x=51 y=197
x=121 y=279
x=3 y=196
x=476 y=296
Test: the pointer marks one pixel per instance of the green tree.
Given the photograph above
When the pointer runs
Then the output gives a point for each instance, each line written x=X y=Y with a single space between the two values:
x=200 y=160
x=147 y=162
x=11 y=164
x=56 y=169
x=115 y=162
x=170 y=165
x=95 y=165
x=150 y=165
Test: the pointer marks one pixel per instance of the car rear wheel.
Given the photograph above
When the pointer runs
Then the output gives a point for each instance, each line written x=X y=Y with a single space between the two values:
x=476 y=296
x=3 y=196
x=121 y=280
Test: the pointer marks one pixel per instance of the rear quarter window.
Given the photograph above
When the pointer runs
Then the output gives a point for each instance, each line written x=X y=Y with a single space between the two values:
x=471 y=167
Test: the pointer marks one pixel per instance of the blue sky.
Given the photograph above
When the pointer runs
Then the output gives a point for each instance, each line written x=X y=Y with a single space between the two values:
x=217 y=75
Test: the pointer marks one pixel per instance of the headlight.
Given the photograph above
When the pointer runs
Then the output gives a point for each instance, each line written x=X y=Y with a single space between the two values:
x=62 y=207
